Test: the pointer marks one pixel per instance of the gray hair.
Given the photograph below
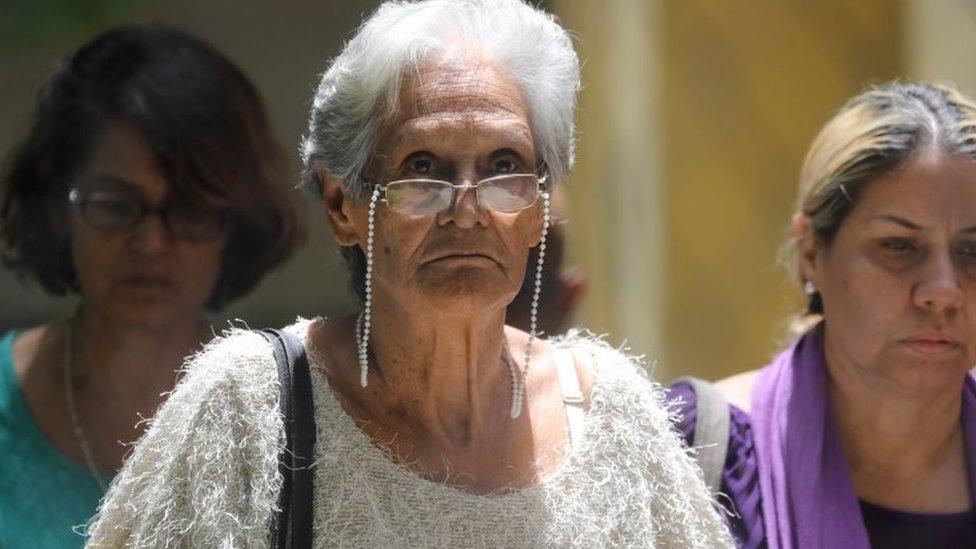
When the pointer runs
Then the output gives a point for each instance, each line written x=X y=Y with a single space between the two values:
x=359 y=91
x=876 y=132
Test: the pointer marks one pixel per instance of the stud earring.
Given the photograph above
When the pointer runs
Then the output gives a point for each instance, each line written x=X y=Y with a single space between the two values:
x=809 y=288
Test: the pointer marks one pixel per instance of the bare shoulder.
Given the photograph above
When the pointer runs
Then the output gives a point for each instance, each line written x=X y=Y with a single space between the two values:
x=585 y=369
x=738 y=389
x=544 y=352
x=598 y=362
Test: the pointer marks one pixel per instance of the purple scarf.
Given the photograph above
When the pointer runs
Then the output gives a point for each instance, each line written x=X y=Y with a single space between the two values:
x=807 y=496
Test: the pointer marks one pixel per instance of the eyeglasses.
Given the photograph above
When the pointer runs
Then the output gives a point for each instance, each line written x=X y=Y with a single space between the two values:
x=507 y=193
x=113 y=211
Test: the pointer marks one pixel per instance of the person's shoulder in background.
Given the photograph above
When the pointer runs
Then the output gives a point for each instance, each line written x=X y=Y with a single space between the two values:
x=738 y=389
x=740 y=492
x=205 y=472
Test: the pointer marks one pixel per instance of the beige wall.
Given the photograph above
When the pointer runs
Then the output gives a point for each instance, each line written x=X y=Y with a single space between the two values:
x=940 y=41
x=616 y=218
x=726 y=96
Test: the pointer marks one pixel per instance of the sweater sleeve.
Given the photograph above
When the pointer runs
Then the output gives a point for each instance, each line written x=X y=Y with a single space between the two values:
x=204 y=474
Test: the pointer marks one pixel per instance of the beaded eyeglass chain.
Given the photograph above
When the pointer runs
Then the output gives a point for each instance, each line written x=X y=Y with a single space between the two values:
x=363 y=324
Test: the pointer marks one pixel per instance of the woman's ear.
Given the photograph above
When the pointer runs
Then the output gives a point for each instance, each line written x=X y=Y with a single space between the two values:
x=338 y=209
x=807 y=246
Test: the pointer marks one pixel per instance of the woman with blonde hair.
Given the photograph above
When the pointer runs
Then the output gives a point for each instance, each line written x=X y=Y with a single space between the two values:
x=863 y=432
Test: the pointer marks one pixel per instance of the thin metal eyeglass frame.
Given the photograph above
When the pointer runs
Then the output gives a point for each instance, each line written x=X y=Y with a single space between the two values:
x=77 y=199
x=539 y=185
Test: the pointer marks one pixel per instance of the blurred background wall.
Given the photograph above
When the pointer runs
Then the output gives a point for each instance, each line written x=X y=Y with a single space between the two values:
x=694 y=117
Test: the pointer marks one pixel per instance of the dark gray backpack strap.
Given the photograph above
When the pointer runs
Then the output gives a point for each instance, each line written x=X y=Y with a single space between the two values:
x=292 y=527
x=711 y=430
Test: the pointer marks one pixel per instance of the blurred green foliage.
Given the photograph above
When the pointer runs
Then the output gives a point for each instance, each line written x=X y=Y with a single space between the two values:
x=26 y=23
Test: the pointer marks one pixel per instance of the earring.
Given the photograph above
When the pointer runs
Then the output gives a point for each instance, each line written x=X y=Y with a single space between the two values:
x=365 y=316
x=809 y=288
x=518 y=378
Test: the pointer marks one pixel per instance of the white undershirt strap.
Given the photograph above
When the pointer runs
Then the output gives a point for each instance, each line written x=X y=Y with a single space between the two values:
x=569 y=386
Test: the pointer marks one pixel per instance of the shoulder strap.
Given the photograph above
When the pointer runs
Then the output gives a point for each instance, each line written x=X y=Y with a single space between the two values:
x=293 y=522
x=711 y=430
x=569 y=386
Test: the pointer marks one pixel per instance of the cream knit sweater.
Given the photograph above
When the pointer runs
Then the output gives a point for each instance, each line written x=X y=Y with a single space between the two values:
x=205 y=473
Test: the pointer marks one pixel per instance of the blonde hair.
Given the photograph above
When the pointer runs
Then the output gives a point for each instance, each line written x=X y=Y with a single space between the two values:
x=874 y=133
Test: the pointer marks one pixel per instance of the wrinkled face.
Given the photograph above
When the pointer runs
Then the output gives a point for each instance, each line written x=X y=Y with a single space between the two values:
x=142 y=275
x=899 y=281
x=459 y=122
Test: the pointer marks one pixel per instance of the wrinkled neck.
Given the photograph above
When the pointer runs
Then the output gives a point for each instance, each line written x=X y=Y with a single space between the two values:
x=445 y=371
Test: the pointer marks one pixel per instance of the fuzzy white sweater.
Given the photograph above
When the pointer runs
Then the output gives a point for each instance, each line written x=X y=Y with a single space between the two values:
x=205 y=473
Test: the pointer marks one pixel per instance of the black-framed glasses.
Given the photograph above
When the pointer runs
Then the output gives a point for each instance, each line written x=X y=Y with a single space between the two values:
x=506 y=193
x=114 y=211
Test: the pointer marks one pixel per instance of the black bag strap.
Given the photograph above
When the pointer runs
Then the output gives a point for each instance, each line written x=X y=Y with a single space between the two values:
x=292 y=527
x=711 y=430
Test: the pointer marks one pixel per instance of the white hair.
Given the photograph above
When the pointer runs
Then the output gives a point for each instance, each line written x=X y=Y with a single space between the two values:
x=359 y=91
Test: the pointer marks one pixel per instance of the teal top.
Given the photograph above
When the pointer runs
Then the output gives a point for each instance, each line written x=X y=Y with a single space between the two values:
x=44 y=496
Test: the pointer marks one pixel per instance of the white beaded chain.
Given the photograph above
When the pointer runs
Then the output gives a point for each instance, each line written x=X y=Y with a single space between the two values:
x=518 y=378
x=366 y=316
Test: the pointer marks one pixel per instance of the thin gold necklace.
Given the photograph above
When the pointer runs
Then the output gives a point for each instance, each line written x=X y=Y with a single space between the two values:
x=69 y=397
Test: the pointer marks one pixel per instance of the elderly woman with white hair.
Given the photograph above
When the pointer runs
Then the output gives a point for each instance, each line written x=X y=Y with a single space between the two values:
x=435 y=139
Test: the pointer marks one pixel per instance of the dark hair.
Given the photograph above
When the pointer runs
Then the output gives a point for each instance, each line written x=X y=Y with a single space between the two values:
x=205 y=126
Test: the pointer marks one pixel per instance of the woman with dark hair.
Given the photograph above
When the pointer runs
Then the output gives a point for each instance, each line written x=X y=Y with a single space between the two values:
x=151 y=186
